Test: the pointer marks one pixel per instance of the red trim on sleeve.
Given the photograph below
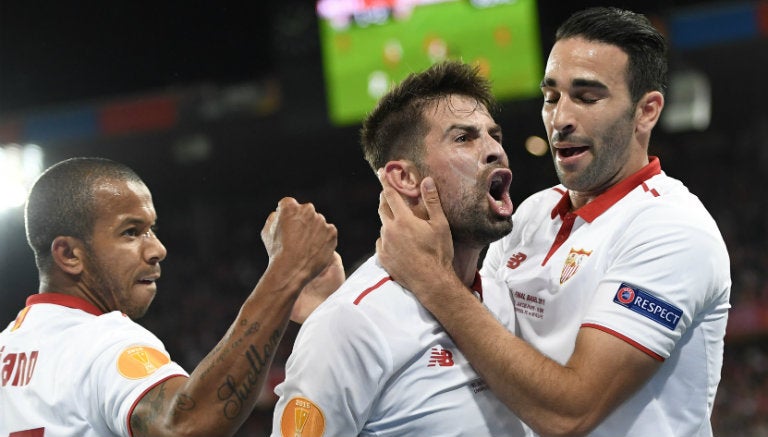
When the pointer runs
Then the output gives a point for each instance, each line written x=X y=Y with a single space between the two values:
x=637 y=345
x=141 y=396
x=370 y=289
x=66 y=300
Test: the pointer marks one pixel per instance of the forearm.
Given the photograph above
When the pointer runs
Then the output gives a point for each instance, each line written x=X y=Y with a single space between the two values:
x=551 y=398
x=222 y=390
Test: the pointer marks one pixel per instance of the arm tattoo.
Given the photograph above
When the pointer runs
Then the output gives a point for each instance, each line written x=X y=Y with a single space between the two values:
x=140 y=423
x=233 y=393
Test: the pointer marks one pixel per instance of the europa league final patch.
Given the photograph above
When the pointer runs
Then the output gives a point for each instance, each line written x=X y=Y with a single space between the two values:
x=648 y=305
x=301 y=417
x=138 y=362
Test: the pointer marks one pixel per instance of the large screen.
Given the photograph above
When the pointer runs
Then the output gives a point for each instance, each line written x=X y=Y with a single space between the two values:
x=368 y=45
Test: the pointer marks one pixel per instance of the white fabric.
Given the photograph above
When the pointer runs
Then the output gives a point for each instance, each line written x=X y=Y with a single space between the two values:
x=370 y=366
x=75 y=388
x=659 y=241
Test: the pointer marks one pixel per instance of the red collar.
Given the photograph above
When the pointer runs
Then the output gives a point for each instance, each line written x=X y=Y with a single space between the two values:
x=477 y=285
x=601 y=203
x=64 y=300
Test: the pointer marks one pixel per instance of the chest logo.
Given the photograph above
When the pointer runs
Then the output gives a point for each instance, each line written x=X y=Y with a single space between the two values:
x=440 y=357
x=575 y=258
x=515 y=260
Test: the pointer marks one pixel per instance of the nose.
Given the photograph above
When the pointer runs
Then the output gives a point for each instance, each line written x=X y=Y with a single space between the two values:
x=154 y=249
x=493 y=150
x=562 y=119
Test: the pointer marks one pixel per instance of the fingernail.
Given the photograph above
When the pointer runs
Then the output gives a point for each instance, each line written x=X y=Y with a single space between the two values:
x=429 y=184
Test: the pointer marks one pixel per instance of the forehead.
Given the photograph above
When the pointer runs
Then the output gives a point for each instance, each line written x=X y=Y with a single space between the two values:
x=577 y=58
x=454 y=108
x=118 y=199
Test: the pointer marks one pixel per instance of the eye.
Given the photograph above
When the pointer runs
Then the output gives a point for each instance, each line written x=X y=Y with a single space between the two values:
x=131 y=232
x=550 y=97
x=588 y=100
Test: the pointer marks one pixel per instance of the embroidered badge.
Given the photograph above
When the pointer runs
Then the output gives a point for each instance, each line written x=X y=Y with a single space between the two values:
x=648 y=305
x=302 y=418
x=572 y=262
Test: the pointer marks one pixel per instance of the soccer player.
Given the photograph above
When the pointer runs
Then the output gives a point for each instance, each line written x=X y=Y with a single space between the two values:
x=619 y=276
x=371 y=360
x=74 y=363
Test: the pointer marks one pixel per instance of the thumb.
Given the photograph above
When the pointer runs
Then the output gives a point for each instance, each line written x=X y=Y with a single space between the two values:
x=432 y=199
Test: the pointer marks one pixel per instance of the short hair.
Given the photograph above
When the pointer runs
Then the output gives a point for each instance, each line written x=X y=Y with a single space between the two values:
x=396 y=127
x=633 y=33
x=62 y=202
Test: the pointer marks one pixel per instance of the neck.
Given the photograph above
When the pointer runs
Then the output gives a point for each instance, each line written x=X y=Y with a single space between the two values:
x=465 y=261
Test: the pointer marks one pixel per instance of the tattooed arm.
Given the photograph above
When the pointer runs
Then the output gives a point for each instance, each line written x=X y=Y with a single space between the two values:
x=220 y=393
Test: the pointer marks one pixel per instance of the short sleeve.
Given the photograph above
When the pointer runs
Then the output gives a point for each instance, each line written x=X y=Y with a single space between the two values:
x=335 y=372
x=665 y=275
x=131 y=362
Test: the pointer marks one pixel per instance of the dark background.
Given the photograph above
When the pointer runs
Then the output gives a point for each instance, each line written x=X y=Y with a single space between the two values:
x=56 y=55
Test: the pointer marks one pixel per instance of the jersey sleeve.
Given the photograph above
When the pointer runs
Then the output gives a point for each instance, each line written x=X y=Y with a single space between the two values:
x=336 y=370
x=664 y=275
x=131 y=362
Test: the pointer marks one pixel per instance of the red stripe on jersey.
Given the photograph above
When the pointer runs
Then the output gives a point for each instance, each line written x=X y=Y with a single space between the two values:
x=639 y=346
x=370 y=289
x=652 y=190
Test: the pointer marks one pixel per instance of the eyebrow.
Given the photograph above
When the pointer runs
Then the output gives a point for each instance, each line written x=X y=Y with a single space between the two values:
x=576 y=83
x=495 y=129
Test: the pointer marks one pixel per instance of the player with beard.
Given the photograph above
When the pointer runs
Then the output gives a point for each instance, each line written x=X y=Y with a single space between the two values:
x=371 y=360
x=619 y=275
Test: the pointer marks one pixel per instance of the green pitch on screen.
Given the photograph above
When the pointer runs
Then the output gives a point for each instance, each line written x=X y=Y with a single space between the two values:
x=361 y=63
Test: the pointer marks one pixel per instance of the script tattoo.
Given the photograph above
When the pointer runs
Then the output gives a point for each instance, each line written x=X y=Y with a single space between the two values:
x=234 y=393
x=221 y=352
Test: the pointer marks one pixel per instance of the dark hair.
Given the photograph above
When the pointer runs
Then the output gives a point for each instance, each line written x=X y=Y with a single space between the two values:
x=61 y=202
x=396 y=127
x=645 y=47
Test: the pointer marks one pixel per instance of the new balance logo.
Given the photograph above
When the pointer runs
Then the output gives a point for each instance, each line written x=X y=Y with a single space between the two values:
x=440 y=357
x=516 y=259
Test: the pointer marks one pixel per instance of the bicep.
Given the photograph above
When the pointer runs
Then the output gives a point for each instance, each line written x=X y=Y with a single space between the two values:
x=611 y=369
x=152 y=410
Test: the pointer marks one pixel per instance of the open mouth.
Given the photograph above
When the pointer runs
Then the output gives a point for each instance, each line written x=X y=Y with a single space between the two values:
x=498 y=189
x=571 y=151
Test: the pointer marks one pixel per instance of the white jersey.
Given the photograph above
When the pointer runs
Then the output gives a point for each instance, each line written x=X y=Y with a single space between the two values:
x=69 y=370
x=644 y=262
x=372 y=361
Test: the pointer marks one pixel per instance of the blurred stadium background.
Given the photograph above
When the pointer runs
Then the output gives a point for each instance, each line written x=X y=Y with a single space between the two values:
x=225 y=108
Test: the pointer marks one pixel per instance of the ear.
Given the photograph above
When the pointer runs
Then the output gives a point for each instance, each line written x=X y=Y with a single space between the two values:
x=404 y=178
x=67 y=254
x=648 y=111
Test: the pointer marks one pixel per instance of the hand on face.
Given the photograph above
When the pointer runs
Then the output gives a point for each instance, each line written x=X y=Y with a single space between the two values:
x=411 y=248
x=298 y=234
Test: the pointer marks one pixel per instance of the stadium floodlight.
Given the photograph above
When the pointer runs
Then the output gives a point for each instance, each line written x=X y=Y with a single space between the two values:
x=19 y=168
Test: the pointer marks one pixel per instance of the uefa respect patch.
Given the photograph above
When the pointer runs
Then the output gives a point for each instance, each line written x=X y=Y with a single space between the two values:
x=648 y=305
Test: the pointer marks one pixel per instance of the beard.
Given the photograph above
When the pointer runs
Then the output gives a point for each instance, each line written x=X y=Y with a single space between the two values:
x=607 y=159
x=471 y=220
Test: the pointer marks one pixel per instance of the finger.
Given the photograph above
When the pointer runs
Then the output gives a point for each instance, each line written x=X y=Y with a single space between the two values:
x=385 y=212
x=432 y=200
x=397 y=205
